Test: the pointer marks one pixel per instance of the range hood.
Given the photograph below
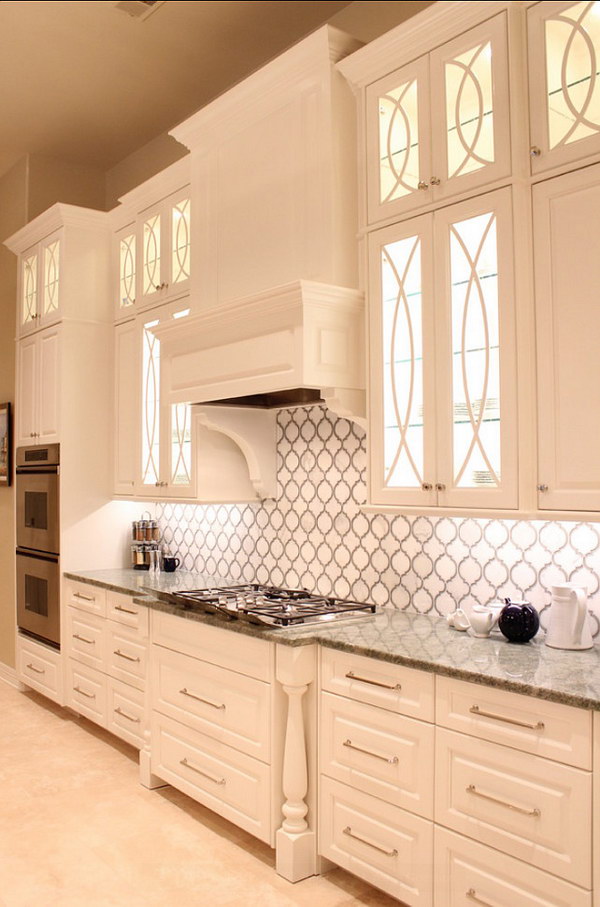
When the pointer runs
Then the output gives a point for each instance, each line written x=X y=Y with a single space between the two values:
x=296 y=344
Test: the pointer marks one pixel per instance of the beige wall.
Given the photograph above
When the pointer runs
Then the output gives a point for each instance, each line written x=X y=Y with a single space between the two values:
x=51 y=180
x=140 y=166
x=13 y=215
x=368 y=19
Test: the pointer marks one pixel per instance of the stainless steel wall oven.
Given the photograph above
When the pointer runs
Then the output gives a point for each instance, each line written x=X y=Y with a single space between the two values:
x=38 y=542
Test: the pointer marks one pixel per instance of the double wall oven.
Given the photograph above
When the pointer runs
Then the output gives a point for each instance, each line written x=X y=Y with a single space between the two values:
x=38 y=542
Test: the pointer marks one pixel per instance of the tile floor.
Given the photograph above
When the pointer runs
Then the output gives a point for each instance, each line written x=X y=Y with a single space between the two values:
x=76 y=828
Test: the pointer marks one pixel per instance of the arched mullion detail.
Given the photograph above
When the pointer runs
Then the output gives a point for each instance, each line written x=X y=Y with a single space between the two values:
x=469 y=147
x=398 y=110
x=579 y=117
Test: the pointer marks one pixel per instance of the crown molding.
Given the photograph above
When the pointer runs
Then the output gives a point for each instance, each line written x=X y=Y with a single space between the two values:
x=418 y=35
x=54 y=218
x=169 y=180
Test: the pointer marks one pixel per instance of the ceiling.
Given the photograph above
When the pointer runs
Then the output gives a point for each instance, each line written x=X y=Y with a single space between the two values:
x=86 y=83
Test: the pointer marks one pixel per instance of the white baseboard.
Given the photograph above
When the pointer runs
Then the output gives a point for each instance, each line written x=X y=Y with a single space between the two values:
x=9 y=675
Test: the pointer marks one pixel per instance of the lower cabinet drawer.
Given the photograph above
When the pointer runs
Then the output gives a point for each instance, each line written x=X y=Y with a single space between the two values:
x=86 y=692
x=85 y=638
x=39 y=667
x=126 y=712
x=229 y=707
x=126 y=655
x=378 y=752
x=468 y=874
x=388 y=847
x=523 y=805
x=232 y=784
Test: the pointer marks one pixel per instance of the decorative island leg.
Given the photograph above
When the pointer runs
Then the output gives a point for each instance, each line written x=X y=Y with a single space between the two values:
x=295 y=842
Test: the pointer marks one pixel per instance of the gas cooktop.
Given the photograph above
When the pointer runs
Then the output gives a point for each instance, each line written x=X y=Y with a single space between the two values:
x=271 y=606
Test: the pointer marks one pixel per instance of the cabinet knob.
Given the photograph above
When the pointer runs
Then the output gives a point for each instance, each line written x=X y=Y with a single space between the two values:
x=534 y=151
x=439 y=486
x=422 y=185
x=542 y=487
x=435 y=181
x=427 y=486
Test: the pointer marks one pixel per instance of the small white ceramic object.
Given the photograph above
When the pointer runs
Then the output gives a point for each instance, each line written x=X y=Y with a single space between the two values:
x=458 y=620
x=569 y=626
x=483 y=620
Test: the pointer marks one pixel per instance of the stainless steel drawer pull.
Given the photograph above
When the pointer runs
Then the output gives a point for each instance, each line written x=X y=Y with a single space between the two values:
x=126 y=610
x=125 y=715
x=85 y=598
x=123 y=655
x=388 y=853
x=538 y=726
x=393 y=760
x=472 y=895
x=90 y=642
x=376 y=683
x=83 y=693
x=214 y=705
x=187 y=764
x=471 y=789
x=36 y=670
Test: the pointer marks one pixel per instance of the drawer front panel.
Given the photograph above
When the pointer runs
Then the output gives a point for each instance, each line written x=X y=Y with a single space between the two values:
x=86 y=692
x=254 y=657
x=386 y=755
x=536 y=726
x=230 y=707
x=40 y=668
x=467 y=874
x=388 y=847
x=228 y=782
x=123 y=610
x=380 y=683
x=126 y=656
x=85 y=597
x=86 y=638
x=531 y=808
x=126 y=712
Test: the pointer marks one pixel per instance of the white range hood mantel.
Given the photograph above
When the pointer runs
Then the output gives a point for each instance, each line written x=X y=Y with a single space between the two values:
x=303 y=335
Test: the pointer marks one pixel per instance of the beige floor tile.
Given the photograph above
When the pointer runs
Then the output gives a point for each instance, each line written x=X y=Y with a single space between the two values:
x=77 y=828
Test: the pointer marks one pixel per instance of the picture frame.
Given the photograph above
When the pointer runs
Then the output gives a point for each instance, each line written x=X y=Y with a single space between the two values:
x=5 y=444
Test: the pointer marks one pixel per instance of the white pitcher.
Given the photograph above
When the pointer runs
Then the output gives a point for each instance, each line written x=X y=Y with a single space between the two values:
x=569 y=626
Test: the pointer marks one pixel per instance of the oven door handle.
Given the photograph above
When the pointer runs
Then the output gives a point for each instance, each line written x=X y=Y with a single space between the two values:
x=37 y=555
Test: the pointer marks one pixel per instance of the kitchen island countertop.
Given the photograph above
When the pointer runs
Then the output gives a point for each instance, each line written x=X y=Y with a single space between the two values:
x=402 y=637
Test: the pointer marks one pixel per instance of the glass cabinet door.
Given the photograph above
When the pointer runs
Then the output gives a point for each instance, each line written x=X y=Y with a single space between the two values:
x=564 y=80
x=29 y=290
x=165 y=250
x=398 y=141
x=402 y=402
x=151 y=264
x=50 y=267
x=150 y=473
x=470 y=110
x=126 y=271
x=475 y=344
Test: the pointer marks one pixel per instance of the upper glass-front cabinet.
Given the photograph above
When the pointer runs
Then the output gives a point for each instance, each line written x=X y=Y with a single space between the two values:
x=564 y=80
x=153 y=256
x=40 y=280
x=443 y=400
x=440 y=125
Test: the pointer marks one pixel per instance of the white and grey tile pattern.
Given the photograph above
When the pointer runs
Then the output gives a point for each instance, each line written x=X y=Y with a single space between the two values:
x=315 y=535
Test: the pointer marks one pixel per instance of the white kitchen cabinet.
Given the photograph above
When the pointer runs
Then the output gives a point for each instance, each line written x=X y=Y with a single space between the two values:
x=567 y=276
x=39 y=666
x=126 y=407
x=40 y=284
x=443 y=358
x=564 y=57
x=125 y=269
x=38 y=387
x=438 y=126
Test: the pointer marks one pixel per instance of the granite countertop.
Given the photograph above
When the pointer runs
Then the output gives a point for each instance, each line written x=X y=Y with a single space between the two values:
x=416 y=640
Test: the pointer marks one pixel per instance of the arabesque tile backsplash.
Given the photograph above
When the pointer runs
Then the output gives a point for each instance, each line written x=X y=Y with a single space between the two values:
x=314 y=535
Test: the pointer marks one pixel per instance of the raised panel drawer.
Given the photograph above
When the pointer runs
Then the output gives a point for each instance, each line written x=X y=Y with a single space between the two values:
x=86 y=638
x=123 y=610
x=86 y=692
x=386 y=755
x=388 y=847
x=380 y=683
x=85 y=597
x=126 y=656
x=40 y=668
x=468 y=874
x=126 y=712
x=526 y=806
x=250 y=656
x=229 y=782
x=536 y=726
x=230 y=707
